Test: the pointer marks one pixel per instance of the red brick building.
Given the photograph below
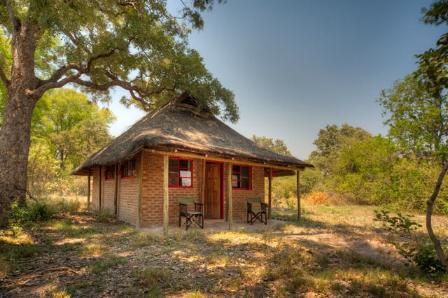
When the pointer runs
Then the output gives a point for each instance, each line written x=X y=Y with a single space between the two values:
x=181 y=150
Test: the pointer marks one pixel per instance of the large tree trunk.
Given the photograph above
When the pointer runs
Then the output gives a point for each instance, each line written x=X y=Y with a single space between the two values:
x=15 y=130
x=429 y=209
x=14 y=149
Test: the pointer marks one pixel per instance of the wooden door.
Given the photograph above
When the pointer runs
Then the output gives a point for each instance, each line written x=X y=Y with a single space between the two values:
x=212 y=200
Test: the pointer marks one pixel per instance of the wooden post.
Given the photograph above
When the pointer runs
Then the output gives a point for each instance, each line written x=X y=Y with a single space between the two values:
x=229 y=195
x=88 y=191
x=299 y=211
x=203 y=182
x=116 y=191
x=165 y=195
x=270 y=194
x=139 y=202
x=100 y=193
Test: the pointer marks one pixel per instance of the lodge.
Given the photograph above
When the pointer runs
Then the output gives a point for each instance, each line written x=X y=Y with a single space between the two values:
x=182 y=150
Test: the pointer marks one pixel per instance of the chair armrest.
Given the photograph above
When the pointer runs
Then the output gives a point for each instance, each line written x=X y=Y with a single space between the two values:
x=200 y=205
x=264 y=206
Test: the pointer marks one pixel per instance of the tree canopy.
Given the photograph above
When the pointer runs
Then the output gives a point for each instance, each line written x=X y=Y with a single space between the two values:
x=101 y=44
x=275 y=145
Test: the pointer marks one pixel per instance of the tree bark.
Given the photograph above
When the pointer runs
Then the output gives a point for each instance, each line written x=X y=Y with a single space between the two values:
x=429 y=209
x=16 y=128
x=14 y=148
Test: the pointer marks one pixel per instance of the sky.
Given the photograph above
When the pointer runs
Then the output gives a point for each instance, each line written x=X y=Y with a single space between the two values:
x=297 y=66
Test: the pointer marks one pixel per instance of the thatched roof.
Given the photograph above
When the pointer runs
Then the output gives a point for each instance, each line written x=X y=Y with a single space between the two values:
x=182 y=125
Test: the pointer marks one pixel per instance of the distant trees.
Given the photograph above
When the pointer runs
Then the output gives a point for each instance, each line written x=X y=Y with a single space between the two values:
x=66 y=128
x=275 y=145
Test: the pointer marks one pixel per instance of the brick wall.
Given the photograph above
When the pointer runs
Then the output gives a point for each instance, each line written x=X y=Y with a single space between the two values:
x=239 y=196
x=152 y=190
x=94 y=205
x=128 y=192
x=108 y=200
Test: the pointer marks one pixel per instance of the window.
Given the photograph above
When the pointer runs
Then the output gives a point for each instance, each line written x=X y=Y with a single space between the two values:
x=180 y=173
x=241 y=177
x=128 y=169
x=110 y=172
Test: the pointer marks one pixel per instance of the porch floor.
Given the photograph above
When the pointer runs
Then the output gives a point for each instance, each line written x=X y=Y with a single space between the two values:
x=212 y=225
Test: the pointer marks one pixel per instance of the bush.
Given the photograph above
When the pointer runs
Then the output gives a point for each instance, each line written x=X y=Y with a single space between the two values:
x=418 y=250
x=426 y=259
x=36 y=211
x=103 y=216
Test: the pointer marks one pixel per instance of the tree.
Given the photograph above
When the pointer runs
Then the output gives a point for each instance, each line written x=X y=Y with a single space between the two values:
x=96 y=45
x=330 y=139
x=70 y=125
x=275 y=145
x=417 y=115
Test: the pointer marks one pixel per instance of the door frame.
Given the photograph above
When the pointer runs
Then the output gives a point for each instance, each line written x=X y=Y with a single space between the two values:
x=221 y=186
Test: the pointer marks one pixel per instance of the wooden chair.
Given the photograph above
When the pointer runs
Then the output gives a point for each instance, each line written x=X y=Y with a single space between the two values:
x=191 y=216
x=253 y=214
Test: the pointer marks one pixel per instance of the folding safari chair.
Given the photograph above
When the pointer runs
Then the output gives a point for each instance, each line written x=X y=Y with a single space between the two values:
x=196 y=215
x=254 y=214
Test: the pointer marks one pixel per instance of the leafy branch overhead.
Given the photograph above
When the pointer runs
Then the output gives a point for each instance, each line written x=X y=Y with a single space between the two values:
x=97 y=45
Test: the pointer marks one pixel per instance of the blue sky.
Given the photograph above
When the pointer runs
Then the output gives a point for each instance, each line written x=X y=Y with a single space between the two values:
x=296 y=66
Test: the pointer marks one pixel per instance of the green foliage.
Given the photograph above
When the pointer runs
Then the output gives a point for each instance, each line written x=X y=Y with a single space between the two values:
x=275 y=145
x=330 y=139
x=417 y=249
x=426 y=259
x=70 y=125
x=103 y=216
x=66 y=129
x=34 y=212
x=416 y=118
x=138 y=46
x=399 y=223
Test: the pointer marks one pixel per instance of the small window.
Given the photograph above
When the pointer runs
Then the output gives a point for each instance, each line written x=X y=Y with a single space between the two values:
x=180 y=173
x=128 y=169
x=241 y=177
x=110 y=172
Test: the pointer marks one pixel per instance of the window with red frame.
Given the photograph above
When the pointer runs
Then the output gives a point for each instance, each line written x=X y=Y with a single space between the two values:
x=110 y=172
x=180 y=173
x=241 y=177
x=128 y=169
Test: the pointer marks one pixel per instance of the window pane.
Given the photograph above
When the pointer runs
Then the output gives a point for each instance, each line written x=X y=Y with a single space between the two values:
x=245 y=183
x=235 y=182
x=173 y=179
x=174 y=165
x=244 y=171
x=236 y=169
x=185 y=182
x=185 y=164
x=185 y=173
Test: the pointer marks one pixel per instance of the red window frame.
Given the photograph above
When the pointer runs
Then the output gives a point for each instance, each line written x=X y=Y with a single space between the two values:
x=109 y=173
x=236 y=171
x=129 y=169
x=178 y=171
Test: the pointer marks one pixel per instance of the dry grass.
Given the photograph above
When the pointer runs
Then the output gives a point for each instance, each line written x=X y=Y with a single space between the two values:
x=335 y=251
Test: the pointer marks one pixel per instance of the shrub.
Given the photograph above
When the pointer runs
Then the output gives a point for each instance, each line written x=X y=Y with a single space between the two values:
x=36 y=211
x=417 y=250
x=426 y=259
x=40 y=211
x=103 y=216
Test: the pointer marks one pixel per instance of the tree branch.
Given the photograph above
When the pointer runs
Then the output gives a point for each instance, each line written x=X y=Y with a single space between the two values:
x=3 y=76
x=15 y=22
